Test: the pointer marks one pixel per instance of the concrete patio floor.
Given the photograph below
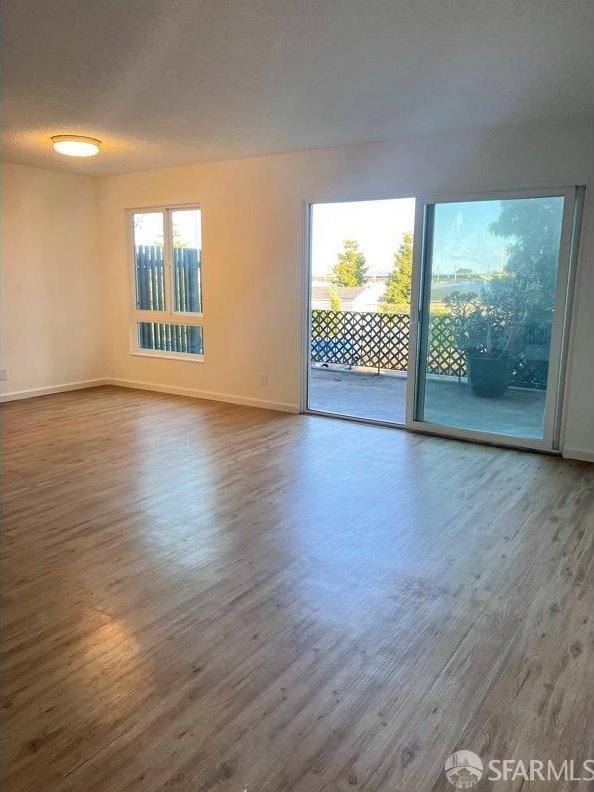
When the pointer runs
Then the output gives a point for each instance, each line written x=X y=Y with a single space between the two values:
x=519 y=412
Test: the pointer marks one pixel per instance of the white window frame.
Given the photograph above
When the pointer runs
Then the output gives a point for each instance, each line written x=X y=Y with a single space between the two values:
x=168 y=316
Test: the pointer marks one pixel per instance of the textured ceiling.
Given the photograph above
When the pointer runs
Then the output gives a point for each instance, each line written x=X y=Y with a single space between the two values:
x=167 y=82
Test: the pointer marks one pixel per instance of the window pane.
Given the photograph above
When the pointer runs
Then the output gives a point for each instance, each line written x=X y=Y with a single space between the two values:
x=164 y=337
x=187 y=243
x=492 y=281
x=148 y=257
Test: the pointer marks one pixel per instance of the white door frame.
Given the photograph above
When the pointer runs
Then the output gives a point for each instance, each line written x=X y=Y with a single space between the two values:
x=571 y=226
x=306 y=270
x=573 y=200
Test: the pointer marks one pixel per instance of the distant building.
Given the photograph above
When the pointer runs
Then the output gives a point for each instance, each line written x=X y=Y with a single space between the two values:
x=352 y=298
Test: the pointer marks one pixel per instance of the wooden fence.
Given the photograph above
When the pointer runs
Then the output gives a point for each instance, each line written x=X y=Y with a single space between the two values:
x=150 y=296
x=150 y=279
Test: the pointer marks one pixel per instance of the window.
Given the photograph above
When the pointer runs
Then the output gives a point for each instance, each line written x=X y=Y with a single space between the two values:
x=167 y=312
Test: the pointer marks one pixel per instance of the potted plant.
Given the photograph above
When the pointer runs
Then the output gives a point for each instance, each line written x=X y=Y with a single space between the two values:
x=496 y=327
x=486 y=325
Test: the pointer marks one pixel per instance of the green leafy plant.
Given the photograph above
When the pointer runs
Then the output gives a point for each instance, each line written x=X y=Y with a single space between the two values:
x=486 y=322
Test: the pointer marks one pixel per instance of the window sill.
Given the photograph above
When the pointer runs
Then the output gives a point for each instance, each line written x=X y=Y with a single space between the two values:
x=169 y=356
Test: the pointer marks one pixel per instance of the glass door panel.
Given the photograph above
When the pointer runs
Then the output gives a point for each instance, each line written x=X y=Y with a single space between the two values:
x=359 y=318
x=490 y=309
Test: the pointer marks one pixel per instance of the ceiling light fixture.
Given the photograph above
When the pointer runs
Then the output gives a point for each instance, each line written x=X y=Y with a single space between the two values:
x=76 y=145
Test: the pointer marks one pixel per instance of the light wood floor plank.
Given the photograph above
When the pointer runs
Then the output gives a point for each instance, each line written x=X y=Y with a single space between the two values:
x=201 y=596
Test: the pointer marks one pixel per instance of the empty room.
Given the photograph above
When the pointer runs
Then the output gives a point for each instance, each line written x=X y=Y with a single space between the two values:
x=297 y=382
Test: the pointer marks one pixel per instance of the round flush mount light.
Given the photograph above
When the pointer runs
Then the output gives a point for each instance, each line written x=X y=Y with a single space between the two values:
x=76 y=145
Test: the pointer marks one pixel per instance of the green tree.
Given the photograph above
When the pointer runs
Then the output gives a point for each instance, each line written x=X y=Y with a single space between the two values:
x=399 y=284
x=494 y=320
x=533 y=230
x=351 y=268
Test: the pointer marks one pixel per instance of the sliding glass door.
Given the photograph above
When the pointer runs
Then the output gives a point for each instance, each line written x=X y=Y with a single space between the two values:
x=359 y=308
x=453 y=322
x=492 y=294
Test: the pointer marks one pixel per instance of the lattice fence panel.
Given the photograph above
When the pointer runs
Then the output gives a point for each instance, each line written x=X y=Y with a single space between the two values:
x=443 y=355
x=354 y=338
x=394 y=342
x=380 y=341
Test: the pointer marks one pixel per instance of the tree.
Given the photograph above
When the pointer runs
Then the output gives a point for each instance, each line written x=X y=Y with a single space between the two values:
x=351 y=268
x=533 y=228
x=335 y=304
x=494 y=320
x=399 y=284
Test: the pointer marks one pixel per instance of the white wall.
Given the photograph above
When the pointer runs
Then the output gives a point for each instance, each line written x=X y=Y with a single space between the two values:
x=78 y=303
x=253 y=247
x=51 y=283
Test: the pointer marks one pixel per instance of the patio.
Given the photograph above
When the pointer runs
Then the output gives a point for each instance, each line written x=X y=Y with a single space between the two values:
x=382 y=397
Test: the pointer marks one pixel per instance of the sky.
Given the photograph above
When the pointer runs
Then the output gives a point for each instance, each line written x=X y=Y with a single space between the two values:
x=148 y=227
x=462 y=235
x=377 y=226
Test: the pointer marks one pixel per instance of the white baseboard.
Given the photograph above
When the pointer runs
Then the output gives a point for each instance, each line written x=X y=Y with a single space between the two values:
x=67 y=386
x=228 y=398
x=578 y=453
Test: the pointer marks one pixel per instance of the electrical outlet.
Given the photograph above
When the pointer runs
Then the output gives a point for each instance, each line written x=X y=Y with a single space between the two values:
x=263 y=379
x=3 y=374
